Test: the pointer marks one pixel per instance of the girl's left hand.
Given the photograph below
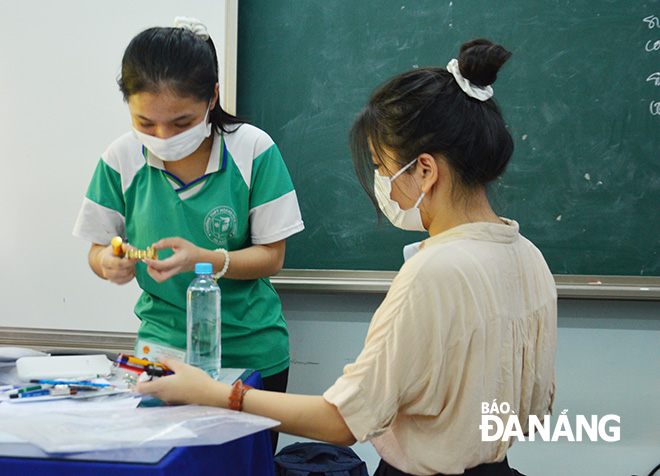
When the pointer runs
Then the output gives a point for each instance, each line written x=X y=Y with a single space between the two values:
x=182 y=261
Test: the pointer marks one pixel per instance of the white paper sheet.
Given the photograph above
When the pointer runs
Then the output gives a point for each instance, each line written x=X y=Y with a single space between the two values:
x=67 y=426
x=189 y=425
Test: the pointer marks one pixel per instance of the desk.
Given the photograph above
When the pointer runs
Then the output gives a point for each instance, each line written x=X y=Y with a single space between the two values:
x=250 y=455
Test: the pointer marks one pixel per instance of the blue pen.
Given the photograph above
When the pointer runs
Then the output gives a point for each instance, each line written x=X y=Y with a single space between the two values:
x=68 y=382
x=9 y=388
x=36 y=393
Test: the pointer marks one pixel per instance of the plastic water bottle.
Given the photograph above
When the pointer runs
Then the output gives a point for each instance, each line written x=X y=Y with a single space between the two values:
x=203 y=312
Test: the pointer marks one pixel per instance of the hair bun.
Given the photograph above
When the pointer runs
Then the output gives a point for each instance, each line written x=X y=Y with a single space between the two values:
x=192 y=24
x=479 y=61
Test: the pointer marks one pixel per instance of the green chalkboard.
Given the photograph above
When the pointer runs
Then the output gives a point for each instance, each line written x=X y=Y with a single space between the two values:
x=580 y=95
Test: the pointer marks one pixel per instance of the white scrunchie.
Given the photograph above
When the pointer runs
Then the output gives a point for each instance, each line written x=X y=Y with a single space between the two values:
x=478 y=92
x=192 y=24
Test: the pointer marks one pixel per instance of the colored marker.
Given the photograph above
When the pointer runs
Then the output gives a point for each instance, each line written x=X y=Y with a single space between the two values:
x=59 y=390
x=66 y=382
x=134 y=364
x=30 y=389
x=129 y=359
x=36 y=393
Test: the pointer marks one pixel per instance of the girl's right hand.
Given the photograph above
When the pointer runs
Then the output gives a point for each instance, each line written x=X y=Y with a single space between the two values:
x=114 y=268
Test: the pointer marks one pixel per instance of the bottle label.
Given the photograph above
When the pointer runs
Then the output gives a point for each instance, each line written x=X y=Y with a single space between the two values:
x=149 y=350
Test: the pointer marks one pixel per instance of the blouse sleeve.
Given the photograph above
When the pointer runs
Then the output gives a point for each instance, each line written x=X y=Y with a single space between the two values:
x=393 y=367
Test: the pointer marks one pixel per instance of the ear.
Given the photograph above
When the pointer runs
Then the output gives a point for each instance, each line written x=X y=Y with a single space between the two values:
x=216 y=96
x=428 y=171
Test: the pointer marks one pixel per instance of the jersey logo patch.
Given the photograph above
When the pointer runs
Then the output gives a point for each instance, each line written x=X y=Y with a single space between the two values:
x=220 y=225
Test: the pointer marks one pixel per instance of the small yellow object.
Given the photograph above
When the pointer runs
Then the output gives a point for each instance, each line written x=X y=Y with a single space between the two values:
x=116 y=245
x=141 y=254
x=132 y=254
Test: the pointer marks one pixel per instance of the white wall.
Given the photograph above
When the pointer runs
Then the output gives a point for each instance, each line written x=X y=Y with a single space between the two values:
x=608 y=362
x=60 y=108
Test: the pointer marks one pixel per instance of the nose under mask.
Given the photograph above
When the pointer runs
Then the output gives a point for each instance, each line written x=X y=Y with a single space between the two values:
x=179 y=146
x=410 y=219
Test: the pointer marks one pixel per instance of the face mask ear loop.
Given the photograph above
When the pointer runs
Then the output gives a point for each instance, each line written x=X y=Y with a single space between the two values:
x=419 y=200
x=402 y=170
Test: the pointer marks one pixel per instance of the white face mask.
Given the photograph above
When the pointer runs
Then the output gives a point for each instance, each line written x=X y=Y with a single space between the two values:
x=410 y=219
x=179 y=146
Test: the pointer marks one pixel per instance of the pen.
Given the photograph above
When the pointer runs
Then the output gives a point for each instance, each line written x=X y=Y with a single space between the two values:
x=129 y=359
x=66 y=382
x=84 y=378
x=59 y=390
x=83 y=387
x=134 y=364
x=30 y=389
x=35 y=393
x=9 y=388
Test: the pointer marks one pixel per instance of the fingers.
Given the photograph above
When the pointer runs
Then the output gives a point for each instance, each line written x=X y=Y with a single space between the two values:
x=172 y=389
x=188 y=385
x=161 y=271
x=155 y=387
x=116 y=269
x=173 y=365
x=179 y=262
x=172 y=242
x=159 y=265
x=150 y=388
x=123 y=278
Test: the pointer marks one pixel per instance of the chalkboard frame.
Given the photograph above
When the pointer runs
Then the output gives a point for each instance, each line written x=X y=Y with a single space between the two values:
x=633 y=288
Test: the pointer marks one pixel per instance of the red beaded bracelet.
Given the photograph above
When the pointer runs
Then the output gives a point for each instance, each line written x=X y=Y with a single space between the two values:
x=238 y=391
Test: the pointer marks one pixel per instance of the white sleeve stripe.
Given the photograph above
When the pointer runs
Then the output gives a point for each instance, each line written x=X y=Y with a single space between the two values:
x=283 y=234
x=125 y=157
x=245 y=144
x=98 y=224
x=275 y=220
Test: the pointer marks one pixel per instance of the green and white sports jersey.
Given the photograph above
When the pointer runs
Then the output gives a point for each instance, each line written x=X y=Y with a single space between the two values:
x=246 y=198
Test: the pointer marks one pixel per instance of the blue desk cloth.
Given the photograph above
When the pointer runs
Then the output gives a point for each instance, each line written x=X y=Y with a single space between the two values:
x=247 y=456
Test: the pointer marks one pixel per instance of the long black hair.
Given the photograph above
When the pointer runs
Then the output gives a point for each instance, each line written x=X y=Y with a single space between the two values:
x=426 y=111
x=177 y=60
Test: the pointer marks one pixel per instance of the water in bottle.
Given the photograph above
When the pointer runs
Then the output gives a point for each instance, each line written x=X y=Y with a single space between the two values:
x=203 y=309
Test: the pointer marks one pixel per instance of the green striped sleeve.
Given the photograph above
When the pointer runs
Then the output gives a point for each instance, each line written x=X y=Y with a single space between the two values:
x=270 y=177
x=105 y=188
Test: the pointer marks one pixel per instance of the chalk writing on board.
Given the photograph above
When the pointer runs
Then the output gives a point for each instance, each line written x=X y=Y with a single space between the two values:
x=653 y=45
x=652 y=21
x=655 y=108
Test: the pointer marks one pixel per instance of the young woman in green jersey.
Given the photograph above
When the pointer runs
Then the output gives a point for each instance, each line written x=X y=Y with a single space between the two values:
x=469 y=319
x=198 y=185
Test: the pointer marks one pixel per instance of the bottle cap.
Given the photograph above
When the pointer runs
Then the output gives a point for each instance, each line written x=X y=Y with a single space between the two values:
x=203 y=268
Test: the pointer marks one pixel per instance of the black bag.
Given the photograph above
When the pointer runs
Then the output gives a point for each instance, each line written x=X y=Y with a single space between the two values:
x=318 y=459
